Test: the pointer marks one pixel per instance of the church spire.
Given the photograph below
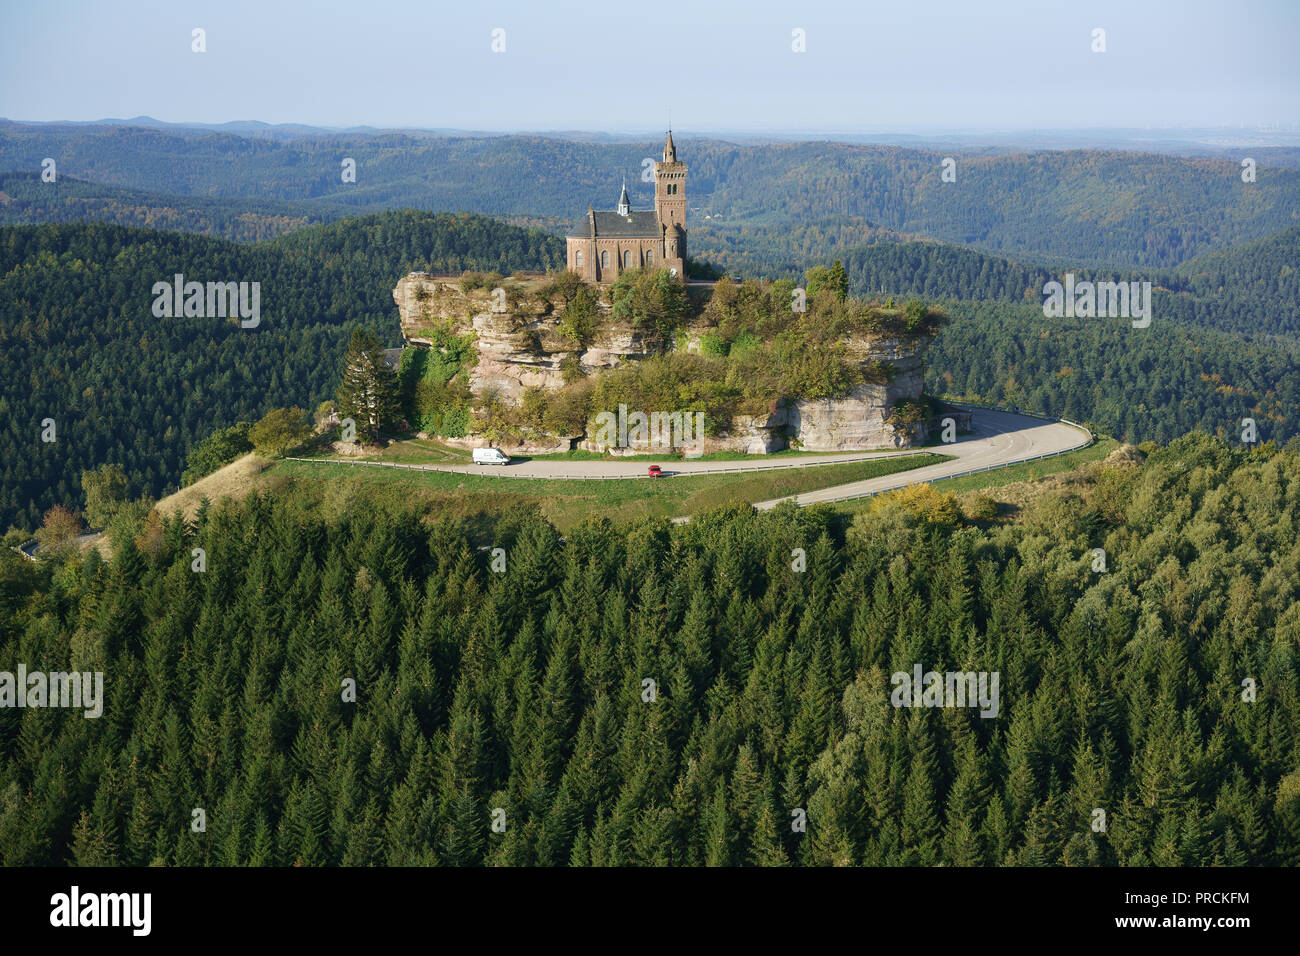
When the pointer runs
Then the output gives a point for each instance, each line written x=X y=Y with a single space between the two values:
x=624 y=204
x=670 y=151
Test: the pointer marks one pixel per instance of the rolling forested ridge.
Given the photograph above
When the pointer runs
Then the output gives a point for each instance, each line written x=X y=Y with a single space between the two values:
x=1122 y=209
x=1158 y=696
x=28 y=200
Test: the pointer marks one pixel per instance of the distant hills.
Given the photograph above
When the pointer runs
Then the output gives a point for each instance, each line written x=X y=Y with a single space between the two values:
x=25 y=199
x=1075 y=207
x=1253 y=288
x=1281 y=145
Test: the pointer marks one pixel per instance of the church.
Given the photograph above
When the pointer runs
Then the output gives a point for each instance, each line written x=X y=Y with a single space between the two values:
x=606 y=243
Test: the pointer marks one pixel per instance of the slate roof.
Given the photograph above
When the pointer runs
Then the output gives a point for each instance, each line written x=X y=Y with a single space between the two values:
x=640 y=224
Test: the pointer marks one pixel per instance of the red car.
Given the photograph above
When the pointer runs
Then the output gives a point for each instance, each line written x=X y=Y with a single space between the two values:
x=655 y=472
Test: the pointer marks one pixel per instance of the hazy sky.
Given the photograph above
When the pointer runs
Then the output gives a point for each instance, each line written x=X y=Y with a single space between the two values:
x=620 y=65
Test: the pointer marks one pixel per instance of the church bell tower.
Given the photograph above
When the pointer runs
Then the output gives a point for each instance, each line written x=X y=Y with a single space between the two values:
x=670 y=208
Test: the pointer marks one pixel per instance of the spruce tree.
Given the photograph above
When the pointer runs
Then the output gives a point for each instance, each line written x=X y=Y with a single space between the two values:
x=367 y=392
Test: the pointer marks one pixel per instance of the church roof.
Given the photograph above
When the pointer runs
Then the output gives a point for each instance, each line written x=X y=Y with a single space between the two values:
x=639 y=224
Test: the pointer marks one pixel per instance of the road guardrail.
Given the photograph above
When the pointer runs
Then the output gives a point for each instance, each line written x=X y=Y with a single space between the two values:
x=846 y=459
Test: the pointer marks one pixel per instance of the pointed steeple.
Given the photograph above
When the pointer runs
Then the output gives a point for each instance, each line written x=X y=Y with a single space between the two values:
x=624 y=204
x=670 y=151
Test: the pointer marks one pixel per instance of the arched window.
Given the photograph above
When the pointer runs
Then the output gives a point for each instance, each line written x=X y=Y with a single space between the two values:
x=649 y=256
x=577 y=259
x=627 y=259
x=604 y=259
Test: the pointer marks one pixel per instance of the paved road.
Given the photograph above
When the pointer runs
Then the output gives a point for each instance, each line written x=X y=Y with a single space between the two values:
x=999 y=438
x=524 y=467
x=29 y=548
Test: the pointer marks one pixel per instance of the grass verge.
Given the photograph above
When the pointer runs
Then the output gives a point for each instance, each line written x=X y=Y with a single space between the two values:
x=1010 y=475
x=566 y=501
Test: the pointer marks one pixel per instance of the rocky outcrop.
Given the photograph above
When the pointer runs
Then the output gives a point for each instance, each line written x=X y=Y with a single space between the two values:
x=516 y=331
x=519 y=345
x=860 y=418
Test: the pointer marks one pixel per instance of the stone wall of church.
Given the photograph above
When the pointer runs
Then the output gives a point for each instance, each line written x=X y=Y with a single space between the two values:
x=584 y=257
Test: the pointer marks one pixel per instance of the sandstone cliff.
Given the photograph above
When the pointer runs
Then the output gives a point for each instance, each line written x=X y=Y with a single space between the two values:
x=520 y=345
x=516 y=334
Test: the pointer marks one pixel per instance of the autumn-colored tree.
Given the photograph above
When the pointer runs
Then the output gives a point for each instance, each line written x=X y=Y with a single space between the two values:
x=59 y=531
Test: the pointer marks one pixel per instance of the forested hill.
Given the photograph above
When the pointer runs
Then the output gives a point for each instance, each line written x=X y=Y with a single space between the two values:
x=1223 y=343
x=1091 y=206
x=1137 y=384
x=25 y=199
x=1253 y=289
x=1162 y=693
x=79 y=342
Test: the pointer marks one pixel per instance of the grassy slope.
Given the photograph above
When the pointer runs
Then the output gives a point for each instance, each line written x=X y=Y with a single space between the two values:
x=1013 y=485
x=235 y=480
x=566 y=502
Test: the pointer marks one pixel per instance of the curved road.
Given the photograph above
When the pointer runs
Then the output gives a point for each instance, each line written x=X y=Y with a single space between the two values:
x=998 y=438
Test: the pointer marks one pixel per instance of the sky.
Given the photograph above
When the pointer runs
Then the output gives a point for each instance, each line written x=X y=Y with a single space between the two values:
x=627 y=65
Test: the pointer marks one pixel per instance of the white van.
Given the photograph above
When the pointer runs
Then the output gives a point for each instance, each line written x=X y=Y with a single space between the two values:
x=490 y=456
